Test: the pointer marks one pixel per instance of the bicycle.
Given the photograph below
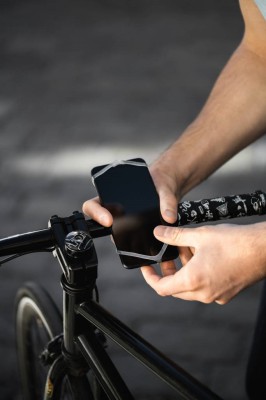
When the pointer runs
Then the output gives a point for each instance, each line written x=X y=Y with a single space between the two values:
x=66 y=357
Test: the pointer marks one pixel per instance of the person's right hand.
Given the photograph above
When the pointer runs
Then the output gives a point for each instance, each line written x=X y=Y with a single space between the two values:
x=218 y=262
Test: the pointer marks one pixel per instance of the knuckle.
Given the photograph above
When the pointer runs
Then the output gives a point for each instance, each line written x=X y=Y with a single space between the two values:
x=203 y=293
x=206 y=299
x=176 y=233
x=222 y=302
x=191 y=281
x=203 y=229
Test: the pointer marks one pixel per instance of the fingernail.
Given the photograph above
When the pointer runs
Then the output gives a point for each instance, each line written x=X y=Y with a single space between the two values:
x=169 y=213
x=160 y=230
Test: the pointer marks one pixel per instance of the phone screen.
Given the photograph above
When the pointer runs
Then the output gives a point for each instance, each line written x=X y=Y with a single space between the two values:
x=128 y=192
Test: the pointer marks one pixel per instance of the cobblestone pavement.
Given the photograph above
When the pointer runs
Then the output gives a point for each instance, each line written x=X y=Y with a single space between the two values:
x=87 y=82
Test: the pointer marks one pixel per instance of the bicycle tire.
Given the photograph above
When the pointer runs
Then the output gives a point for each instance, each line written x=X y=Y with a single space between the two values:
x=38 y=320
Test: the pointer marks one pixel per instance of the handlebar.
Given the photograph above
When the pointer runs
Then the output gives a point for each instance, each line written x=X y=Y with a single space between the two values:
x=227 y=207
x=27 y=242
x=189 y=212
x=42 y=240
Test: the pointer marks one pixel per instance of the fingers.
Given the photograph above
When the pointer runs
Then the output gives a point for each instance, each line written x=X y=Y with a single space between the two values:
x=168 y=268
x=150 y=275
x=164 y=286
x=177 y=286
x=165 y=184
x=210 y=272
x=156 y=282
x=168 y=205
x=171 y=283
x=93 y=209
x=185 y=254
x=175 y=236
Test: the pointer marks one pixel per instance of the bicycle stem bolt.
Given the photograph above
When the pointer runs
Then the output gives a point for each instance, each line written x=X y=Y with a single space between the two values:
x=78 y=244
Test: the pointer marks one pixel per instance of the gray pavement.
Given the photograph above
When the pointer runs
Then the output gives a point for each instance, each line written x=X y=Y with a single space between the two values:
x=87 y=82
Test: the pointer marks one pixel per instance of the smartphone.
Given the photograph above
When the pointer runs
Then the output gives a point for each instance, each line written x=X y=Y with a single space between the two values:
x=127 y=190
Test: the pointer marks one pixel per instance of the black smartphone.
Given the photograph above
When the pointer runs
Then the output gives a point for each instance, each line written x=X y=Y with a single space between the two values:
x=127 y=190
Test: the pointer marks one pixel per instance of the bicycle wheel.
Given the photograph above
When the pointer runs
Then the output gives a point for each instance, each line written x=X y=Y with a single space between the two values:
x=38 y=320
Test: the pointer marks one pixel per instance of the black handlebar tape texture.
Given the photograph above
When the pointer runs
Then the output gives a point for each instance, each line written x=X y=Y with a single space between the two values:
x=195 y=212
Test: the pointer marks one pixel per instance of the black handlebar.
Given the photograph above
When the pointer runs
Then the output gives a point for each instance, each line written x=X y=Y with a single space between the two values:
x=27 y=242
x=42 y=240
x=189 y=212
x=206 y=210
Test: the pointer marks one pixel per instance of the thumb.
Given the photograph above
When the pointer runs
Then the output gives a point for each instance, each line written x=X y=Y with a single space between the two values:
x=168 y=205
x=174 y=236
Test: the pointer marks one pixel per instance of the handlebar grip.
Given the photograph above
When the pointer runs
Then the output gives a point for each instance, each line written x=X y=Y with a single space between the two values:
x=206 y=210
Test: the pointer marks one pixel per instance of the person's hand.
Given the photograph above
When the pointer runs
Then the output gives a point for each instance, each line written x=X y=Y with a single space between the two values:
x=93 y=209
x=163 y=175
x=218 y=262
x=166 y=182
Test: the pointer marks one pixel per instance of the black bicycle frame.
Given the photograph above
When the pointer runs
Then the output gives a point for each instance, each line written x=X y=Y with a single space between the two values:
x=71 y=241
x=87 y=343
x=183 y=383
x=82 y=317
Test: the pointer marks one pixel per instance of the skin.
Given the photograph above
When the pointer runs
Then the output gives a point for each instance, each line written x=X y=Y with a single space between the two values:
x=218 y=261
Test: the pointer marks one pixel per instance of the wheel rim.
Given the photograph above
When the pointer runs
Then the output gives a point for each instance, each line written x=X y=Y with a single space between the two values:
x=35 y=335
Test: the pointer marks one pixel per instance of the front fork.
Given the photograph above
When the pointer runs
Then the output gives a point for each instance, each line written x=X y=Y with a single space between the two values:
x=61 y=382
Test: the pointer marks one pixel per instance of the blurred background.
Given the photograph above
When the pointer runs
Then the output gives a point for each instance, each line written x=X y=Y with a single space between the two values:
x=87 y=82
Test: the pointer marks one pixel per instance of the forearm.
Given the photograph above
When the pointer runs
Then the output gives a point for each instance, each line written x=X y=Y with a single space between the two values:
x=233 y=117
